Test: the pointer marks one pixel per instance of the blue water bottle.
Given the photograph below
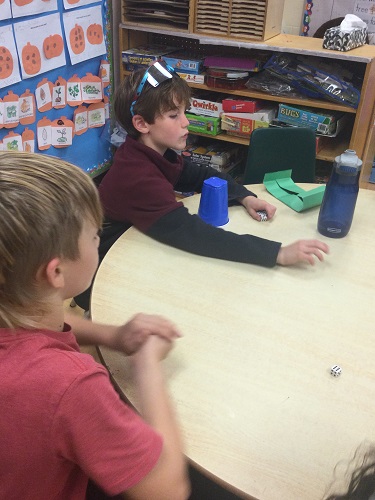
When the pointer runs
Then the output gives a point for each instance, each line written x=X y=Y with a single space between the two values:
x=340 y=197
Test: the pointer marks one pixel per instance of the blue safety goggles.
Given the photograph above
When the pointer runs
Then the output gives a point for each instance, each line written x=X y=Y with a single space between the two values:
x=156 y=74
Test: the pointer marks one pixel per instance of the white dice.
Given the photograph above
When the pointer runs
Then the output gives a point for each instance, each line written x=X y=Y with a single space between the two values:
x=336 y=370
x=263 y=215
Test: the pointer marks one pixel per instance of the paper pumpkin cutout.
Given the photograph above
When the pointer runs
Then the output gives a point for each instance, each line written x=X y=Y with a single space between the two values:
x=53 y=46
x=96 y=115
x=72 y=2
x=43 y=92
x=107 y=107
x=91 y=86
x=104 y=72
x=13 y=142
x=77 y=39
x=6 y=63
x=31 y=59
x=11 y=112
x=44 y=133
x=94 y=34
x=28 y=138
x=21 y=3
x=73 y=91
x=62 y=132
x=80 y=120
x=27 y=108
x=59 y=93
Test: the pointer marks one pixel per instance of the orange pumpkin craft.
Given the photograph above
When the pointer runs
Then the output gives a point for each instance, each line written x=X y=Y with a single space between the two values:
x=31 y=59
x=53 y=46
x=21 y=3
x=95 y=34
x=77 y=39
x=71 y=2
x=6 y=63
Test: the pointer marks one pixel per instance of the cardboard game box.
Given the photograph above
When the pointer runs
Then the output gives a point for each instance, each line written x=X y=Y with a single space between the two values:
x=242 y=124
x=181 y=61
x=145 y=55
x=209 y=125
x=243 y=105
x=321 y=121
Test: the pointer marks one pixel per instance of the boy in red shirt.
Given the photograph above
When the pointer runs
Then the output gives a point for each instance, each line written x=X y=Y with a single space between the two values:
x=62 y=423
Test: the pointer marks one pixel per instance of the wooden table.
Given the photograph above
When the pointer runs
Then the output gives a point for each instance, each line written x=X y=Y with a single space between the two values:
x=250 y=379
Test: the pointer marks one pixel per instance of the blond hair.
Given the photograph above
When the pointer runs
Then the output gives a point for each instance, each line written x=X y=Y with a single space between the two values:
x=44 y=202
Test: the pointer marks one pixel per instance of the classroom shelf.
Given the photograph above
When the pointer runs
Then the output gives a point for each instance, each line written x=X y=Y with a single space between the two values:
x=359 y=133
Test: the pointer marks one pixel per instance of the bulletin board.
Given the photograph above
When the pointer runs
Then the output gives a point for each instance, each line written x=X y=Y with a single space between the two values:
x=318 y=12
x=56 y=80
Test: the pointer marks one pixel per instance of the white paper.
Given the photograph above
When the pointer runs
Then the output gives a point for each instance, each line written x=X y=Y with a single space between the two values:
x=44 y=135
x=13 y=143
x=80 y=121
x=82 y=21
x=11 y=113
x=43 y=95
x=35 y=32
x=59 y=96
x=26 y=107
x=5 y=12
x=61 y=136
x=96 y=117
x=8 y=46
x=33 y=8
x=29 y=146
x=71 y=4
x=365 y=10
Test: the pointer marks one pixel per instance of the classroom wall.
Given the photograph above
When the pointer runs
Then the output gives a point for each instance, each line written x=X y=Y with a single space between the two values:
x=292 y=16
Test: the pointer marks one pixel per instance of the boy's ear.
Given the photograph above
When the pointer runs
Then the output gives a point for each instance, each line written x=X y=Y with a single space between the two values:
x=52 y=273
x=140 y=124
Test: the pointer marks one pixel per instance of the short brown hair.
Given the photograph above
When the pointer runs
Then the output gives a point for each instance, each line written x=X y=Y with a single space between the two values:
x=44 y=202
x=152 y=102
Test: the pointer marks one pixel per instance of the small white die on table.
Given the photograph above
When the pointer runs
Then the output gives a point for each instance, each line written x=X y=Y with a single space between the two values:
x=336 y=370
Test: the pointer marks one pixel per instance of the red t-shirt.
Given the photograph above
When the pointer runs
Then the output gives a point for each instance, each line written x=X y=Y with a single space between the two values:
x=62 y=422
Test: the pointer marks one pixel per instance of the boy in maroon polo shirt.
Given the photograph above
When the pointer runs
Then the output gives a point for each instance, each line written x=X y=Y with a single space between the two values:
x=62 y=423
x=139 y=189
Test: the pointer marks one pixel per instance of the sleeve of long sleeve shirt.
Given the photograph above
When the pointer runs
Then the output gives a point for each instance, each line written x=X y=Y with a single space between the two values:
x=188 y=232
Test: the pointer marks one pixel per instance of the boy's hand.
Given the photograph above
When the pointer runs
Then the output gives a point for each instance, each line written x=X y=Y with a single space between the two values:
x=302 y=251
x=153 y=350
x=130 y=337
x=253 y=205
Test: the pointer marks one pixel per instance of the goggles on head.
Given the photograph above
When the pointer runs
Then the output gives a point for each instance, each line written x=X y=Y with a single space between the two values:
x=156 y=74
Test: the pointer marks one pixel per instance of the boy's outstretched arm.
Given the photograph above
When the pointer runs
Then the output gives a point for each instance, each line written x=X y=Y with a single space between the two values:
x=169 y=478
x=128 y=337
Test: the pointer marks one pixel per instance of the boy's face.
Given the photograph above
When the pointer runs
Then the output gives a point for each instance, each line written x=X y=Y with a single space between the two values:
x=168 y=131
x=78 y=273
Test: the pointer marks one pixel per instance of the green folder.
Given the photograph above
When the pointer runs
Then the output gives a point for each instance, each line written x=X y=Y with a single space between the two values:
x=281 y=186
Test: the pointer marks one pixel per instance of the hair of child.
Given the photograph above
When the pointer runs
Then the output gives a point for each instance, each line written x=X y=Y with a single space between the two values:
x=361 y=478
x=44 y=202
x=152 y=102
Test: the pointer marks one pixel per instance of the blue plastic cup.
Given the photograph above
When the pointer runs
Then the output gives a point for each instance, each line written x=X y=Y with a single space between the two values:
x=213 y=206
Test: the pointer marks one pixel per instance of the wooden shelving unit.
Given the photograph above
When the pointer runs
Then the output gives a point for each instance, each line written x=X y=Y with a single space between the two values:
x=360 y=132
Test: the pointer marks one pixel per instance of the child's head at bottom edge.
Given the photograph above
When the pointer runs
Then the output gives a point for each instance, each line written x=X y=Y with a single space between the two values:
x=45 y=205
